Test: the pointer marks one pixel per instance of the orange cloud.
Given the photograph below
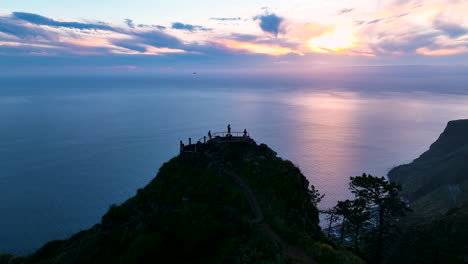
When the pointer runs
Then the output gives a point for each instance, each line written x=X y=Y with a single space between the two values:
x=441 y=52
x=304 y=32
x=274 y=50
x=89 y=42
x=339 y=41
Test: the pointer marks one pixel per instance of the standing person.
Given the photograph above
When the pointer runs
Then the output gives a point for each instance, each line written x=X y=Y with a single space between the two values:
x=229 y=129
x=209 y=134
x=245 y=132
x=181 y=146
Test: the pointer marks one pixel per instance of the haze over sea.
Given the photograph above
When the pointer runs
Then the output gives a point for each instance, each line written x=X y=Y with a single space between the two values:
x=70 y=146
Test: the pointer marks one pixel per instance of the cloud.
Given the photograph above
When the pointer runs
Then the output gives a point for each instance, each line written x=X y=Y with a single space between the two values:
x=377 y=20
x=131 y=45
x=415 y=29
x=243 y=37
x=393 y=33
x=258 y=48
x=450 y=29
x=129 y=22
x=345 y=11
x=30 y=34
x=151 y=26
x=188 y=27
x=283 y=43
x=270 y=23
x=41 y=20
x=402 y=12
x=226 y=18
x=408 y=43
x=11 y=27
x=382 y=19
x=157 y=38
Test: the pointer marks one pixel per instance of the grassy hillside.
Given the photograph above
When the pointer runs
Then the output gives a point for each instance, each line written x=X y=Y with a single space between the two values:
x=198 y=210
x=439 y=175
x=438 y=240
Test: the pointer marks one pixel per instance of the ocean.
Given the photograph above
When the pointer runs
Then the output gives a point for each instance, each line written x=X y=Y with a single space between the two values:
x=72 y=145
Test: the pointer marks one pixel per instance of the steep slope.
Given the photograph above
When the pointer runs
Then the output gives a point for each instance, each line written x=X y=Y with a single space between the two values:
x=229 y=202
x=438 y=240
x=438 y=179
x=436 y=184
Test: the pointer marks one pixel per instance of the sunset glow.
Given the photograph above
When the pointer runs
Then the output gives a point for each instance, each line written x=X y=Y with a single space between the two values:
x=179 y=131
x=332 y=42
x=260 y=48
x=392 y=31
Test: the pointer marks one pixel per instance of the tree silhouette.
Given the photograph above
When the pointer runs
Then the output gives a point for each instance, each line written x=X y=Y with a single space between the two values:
x=359 y=216
x=355 y=214
x=343 y=208
x=332 y=217
x=382 y=199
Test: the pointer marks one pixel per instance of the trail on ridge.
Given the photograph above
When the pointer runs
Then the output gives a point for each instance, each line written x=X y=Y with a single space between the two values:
x=298 y=254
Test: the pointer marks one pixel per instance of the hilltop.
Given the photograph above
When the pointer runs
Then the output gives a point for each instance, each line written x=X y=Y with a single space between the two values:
x=230 y=201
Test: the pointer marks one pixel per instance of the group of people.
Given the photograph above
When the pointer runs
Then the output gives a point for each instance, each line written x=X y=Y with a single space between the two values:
x=210 y=136
x=228 y=135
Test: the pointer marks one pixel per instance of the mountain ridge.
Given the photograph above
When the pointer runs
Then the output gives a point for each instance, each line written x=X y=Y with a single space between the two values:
x=442 y=168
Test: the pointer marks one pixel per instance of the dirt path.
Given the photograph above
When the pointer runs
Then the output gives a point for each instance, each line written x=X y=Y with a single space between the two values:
x=252 y=200
x=298 y=254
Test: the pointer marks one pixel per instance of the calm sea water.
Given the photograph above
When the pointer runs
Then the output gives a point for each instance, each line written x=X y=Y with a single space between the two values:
x=72 y=146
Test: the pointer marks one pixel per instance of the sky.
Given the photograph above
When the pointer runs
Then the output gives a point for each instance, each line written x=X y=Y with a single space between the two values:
x=150 y=36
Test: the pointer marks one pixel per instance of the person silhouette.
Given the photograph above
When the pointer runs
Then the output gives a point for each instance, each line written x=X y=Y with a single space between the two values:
x=209 y=134
x=245 y=132
x=229 y=129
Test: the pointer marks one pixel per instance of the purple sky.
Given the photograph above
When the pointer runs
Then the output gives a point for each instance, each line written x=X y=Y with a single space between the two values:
x=227 y=35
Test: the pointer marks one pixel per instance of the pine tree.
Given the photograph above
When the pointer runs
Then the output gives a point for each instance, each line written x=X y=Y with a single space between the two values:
x=382 y=199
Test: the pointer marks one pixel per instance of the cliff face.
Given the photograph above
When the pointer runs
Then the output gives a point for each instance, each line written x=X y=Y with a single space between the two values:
x=230 y=202
x=436 y=184
x=438 y=179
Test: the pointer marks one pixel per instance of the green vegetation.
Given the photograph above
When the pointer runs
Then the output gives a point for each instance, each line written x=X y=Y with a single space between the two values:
x=370 y=217
x=436 y=184
x=195 y=211
x=5 y=258
x=237 y=202
x=381 y=199
x=438 y=179
x=441 y=240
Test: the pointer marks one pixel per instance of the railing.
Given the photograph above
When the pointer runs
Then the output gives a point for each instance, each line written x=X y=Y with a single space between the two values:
x=234 y=134
x=193 y=146
x=223 y=134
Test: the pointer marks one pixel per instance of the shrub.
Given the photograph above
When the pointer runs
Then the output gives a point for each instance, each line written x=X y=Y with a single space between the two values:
x=5 y=258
